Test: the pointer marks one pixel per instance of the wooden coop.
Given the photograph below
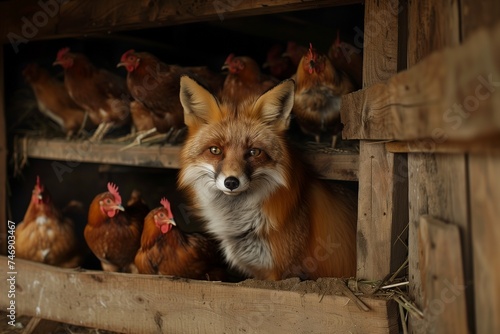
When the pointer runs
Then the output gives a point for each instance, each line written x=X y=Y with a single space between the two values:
x=427 y=120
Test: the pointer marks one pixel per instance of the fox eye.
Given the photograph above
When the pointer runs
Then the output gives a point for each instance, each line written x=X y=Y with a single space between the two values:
x=215 y=150
x=254 y=152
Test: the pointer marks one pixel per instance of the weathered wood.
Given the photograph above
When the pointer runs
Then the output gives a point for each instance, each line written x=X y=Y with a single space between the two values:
x=382 y=211
x=437 y=187
x=159 y=304
x=485 y=212
x=425 y=95
x=442 y=277
x=29 y=20
x=380 y=37
x=382 y=204
x=486 y=145
x=452 y=94
x=342 y=166
x=3 y=163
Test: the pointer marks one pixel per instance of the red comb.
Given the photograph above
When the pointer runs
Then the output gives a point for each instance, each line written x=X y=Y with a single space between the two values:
x=166 y=205
x=229 y=58
x=62 y=52
x=113 y=189
x=125 y=55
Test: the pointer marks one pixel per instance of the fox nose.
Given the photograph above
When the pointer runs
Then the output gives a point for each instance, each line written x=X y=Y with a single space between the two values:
x=231 y=183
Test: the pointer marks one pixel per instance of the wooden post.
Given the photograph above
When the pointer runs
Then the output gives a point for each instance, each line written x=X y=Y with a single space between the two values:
x=485 y=213
x=3 y=162
x=484 y=197
x=437 y=183
x=382 y=211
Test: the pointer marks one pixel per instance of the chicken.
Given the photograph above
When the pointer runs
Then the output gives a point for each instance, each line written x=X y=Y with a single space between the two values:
x=102 y=94
x=319 y=87
x=280 y=67
x=245 y=80
x=166 y=250
x=53 y=100
x=347 y=58
x=45 y=235
x=155 y=85
x=113 y=232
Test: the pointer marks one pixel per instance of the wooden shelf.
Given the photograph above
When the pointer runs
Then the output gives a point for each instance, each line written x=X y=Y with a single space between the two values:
x=336 y=166
x=162 y=304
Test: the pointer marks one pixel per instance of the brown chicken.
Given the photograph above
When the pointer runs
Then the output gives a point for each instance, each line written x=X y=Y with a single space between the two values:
x=347 y=58
x=295 y=52
x=245 y=80
x=166 y=250
x=53 y=100
x=113 y=232
x=319 y=87
x=156 y=86
x=45 y=235
x=102 y=94
x=280 y=67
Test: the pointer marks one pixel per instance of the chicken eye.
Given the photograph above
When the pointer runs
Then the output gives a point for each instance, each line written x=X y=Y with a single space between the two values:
x=108 y=201
x=215 y=150
x=254 y=152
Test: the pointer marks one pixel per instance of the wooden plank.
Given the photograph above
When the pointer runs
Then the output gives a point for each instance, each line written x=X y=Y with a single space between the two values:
x=442 y=277
x=382 y=212
x=452 y=94
x=382 y=204
x=380 y=39
x=437 y=187
x=438 y=183
x=481 y=145
x=160 y=304
x=485 y=210
x=29 y=20
x=342 y=166
x=3 y=162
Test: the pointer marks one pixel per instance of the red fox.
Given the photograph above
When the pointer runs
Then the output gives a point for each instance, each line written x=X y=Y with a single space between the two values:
x=254 y=193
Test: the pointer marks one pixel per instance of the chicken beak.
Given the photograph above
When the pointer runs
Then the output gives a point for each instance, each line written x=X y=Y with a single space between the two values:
x=119 y=207
x=57 y=62
x=225 y=67
x=172 y=221
x=120 y=64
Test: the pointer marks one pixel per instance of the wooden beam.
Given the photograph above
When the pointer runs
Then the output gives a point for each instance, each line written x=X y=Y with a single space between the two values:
x=485 y=209
x=453 y=94
x=441 y=272
x=480 y=145
x=438 y=182
x=30 y=21
x=39 y=325
x=160 y=304
x=341 y=166
x=382 y=204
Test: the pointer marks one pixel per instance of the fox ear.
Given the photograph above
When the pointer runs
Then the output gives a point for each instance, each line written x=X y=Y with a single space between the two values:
x=275 y=105
x=200 y=106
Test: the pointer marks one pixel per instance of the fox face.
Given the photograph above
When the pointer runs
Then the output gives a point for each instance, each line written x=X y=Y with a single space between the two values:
x=235 y=151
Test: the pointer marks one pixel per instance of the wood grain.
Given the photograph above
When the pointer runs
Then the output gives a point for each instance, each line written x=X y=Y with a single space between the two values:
x=342 y=166
x=485 y=210
x=382 y=204
x=451 y=94
x=441 y=272
x=77 y=18
x=438 y=183
x=159 y=304
x=382 y=212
